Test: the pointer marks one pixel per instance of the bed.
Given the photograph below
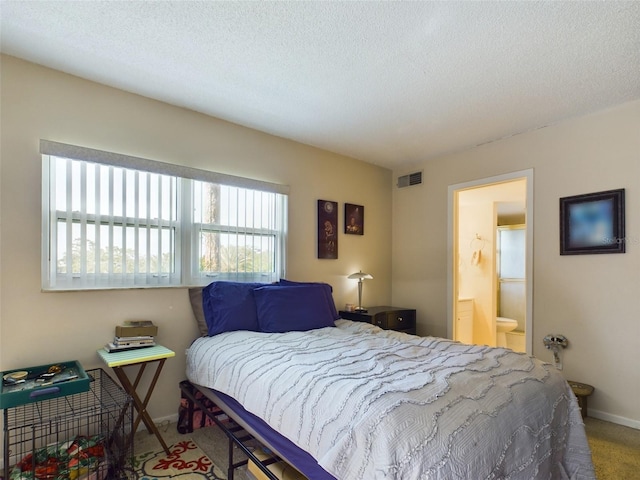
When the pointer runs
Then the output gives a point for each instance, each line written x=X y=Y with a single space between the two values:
x=347 y=400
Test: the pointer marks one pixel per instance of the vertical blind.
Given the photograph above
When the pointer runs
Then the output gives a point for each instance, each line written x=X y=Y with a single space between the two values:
x=107 y=223
x=237 y=231
x=113 y=226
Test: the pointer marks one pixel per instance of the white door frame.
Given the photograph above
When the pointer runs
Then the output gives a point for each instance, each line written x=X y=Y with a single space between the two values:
x=451 y=277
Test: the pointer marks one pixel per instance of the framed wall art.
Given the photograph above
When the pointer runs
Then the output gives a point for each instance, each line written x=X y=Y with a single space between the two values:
x=353 y=219
x=327 y=229
x=592 y=223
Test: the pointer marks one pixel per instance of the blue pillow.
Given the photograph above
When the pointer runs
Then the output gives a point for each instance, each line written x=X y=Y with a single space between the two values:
x=229 y=306
x=284 y=308
x=328 y=293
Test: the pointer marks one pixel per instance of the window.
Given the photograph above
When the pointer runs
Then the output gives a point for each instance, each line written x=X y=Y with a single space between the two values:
x=113 y=221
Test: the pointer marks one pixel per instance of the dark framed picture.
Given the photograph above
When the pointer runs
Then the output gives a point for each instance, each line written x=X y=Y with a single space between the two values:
x=592 y=223
x=353 y=219
x=327 y=229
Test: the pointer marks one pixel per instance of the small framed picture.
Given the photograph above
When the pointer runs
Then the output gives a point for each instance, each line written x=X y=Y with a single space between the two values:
x=327 y=229
x=353 y=219
x=592 y=223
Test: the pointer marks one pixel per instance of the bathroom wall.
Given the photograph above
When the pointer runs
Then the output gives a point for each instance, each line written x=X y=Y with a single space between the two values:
x=476 y=264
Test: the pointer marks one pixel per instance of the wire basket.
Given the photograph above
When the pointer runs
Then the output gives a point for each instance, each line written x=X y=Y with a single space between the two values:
x=84 y=436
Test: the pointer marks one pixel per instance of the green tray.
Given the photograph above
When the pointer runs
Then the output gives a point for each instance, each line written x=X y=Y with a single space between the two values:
x=32 y=390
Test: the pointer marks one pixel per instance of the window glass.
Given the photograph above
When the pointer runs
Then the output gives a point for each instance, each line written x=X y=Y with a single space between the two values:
x=109 y=226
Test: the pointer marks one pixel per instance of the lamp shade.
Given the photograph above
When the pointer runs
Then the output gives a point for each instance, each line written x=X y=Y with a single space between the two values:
x=360 y=276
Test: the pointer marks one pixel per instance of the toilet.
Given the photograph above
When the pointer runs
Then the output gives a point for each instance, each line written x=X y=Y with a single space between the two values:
x=504 y=325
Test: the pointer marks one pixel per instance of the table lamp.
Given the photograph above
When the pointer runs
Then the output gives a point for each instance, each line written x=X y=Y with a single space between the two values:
x=360 y=276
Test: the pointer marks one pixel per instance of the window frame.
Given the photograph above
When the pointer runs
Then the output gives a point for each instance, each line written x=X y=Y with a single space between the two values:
x=186 y=238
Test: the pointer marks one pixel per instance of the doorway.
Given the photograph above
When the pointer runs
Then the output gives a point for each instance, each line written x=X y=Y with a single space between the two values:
x=477 y=210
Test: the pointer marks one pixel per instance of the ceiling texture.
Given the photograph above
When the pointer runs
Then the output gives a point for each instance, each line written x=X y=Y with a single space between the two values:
x=391 y=83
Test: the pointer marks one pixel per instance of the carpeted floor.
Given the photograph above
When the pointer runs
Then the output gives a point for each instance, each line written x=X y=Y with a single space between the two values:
x=615 y=449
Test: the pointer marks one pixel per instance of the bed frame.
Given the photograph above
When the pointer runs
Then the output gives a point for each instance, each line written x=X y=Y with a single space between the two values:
x=238 y=432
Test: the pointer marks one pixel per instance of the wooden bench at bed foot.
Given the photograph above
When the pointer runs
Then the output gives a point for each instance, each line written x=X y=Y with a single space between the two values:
x=582 y=391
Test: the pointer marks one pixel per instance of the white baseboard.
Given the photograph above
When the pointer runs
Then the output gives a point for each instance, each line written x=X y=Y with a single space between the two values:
x=608 y=417
x=168 y=419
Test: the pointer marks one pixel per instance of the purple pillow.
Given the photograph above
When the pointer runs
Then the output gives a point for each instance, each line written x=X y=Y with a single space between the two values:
x=296 y=308
x=328 y=293
x=230 y=306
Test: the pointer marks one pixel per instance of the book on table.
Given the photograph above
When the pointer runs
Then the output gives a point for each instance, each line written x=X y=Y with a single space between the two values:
x=111 y=347
x=141 y=339
x=133 y=334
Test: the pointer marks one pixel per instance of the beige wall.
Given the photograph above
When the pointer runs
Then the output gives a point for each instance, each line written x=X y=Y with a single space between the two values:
x=38 y=328
x=592 y=299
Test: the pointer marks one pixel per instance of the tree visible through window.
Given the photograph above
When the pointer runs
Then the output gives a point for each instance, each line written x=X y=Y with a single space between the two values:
x=238 y=229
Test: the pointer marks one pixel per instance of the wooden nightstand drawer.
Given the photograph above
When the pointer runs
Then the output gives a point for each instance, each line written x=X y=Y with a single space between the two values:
x=401 y=320
x=386 y=317
x=380 y=320
x=355 y=316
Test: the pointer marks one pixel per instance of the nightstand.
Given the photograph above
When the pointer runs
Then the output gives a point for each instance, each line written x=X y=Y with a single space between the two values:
x=389 y=318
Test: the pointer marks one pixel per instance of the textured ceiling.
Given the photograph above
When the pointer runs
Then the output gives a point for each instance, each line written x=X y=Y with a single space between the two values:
x=391 y=83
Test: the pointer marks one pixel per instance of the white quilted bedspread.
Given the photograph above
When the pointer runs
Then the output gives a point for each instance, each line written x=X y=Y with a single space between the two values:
x=375 y=404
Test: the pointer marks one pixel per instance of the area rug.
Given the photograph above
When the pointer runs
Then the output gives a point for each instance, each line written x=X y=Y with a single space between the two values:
x=187 y=460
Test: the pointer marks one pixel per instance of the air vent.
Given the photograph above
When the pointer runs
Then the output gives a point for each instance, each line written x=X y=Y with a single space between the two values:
x=410 y=180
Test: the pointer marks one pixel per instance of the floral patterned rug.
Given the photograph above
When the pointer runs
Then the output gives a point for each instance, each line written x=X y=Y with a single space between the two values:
x=186 y=460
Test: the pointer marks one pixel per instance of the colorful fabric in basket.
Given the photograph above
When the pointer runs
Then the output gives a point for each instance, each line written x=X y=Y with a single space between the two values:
x=79 y=459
